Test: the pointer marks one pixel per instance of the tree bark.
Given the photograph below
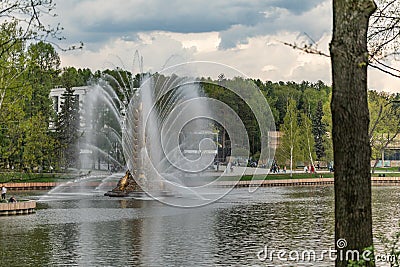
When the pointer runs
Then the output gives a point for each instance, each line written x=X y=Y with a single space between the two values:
x=350 y=117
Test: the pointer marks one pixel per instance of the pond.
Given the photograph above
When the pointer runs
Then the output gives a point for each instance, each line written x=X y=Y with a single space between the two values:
x=93 y=230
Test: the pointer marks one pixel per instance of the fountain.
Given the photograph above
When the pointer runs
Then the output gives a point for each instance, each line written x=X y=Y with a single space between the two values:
x=164 y=127
x=148 y=142
x=160 y=130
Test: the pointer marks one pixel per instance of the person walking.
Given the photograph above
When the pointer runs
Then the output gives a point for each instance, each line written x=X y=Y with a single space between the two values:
x=3 y=192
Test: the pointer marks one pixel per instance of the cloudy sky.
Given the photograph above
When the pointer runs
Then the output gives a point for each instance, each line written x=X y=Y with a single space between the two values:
x=246 y=35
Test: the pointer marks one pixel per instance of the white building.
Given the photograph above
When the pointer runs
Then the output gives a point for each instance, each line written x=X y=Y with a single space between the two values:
x=56 y=97
x=56 y=93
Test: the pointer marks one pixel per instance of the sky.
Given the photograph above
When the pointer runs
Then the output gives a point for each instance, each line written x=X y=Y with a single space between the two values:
x=246 y=35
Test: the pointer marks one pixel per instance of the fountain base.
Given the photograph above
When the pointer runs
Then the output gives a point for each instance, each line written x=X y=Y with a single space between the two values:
x=116 y=194
x=126 y=186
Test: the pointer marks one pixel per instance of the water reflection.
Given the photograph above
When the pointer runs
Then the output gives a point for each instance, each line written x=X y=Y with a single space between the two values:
x=98 y=231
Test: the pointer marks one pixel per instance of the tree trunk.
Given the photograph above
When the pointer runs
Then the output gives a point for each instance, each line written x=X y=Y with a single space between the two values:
x=310 y=154
x=375 y=164
x=350 y=117
x=291 y=161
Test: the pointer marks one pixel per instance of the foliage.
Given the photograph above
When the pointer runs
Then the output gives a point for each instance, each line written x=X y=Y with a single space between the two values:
x=307 y=140
x=306 y=94
x=67 y=128
x=39 y=149
x=319 y=131
x=327 y=138
x=42 y=70
x=385 y=121
x=369 y=251
x=218 y=90
x=28 y=73
x=290 y=141
x=29 y=68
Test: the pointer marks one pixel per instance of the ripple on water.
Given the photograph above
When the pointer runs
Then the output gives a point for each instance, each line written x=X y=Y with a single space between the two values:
x=98 y=231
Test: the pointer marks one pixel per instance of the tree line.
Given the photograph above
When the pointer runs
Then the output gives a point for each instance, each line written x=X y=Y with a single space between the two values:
x=34 y=137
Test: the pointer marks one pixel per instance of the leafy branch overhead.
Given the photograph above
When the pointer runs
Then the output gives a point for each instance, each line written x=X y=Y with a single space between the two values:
x=26 y=16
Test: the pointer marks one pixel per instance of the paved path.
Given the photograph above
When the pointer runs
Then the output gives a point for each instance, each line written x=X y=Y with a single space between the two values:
x=251 y=171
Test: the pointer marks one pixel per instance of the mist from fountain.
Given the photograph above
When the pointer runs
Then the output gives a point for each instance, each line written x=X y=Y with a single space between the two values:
x=165 y=130
x=101 y=131
x=103 y=113
x=148 y=155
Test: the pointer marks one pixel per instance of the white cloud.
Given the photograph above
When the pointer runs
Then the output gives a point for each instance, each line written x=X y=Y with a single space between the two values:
x=268 y=68
x=159 y=49
x=94 y=21
x=314 y=22
x=384 y=82
x=114 y=30
x=202 y=42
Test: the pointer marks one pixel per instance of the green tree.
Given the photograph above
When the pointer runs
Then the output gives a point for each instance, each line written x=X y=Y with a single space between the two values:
x=11 y=119
x=289 y=148
x=218 y=90
x=12 y=62
x=39 y=146
x=327 y=139
x=26 y=76
x=307 y=139
x=42 y=70
x=385 y=122
x=319 y=131
x=267 y=90
x=67 y=128
x=70 y=78
x=12 y=95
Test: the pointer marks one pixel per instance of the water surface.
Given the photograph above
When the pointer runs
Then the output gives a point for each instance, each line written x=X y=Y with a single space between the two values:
x=93 y=230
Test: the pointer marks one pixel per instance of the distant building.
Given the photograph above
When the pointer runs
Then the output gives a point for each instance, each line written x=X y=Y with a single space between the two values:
x=274 y=138
x=56 y=97
x=56 y=93
x=391 y=155
x=190 y=143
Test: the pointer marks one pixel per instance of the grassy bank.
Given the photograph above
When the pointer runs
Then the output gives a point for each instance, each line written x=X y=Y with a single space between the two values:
x=19 y=177
x=283 y=176
x=305 y=176
x=387 y=169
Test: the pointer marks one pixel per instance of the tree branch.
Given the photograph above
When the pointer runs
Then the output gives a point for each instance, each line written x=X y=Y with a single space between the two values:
x=383 y=70
x=306 y=48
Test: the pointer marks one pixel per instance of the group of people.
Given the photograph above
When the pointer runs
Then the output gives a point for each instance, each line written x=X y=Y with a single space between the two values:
x=310 y=169
x=275 y=168
x=3 y=195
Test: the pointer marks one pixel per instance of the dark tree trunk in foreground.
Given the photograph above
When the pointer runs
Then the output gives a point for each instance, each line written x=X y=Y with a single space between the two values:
x=352 y=151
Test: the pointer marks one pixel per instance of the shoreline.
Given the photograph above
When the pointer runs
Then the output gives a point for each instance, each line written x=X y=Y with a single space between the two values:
x=376 y=181
x=17 y=208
